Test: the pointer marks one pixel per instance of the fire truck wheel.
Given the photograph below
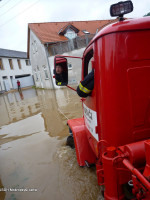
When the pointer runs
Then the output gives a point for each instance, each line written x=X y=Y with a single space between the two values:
x=128 y=192
x=70 y=141
x=102 y=190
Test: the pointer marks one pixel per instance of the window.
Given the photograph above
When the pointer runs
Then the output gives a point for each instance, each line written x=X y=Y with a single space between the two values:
x=1 y=64
x=88 y=62
x=69 y=66
x=38 y=68
x=85 y=32
x=70 y=34
x=90 y=65
x=35 y=46
x=19 y=64
x=33 y=49
x=11 y=64
x=45 y=71
x=36 y=76
x=28 y=62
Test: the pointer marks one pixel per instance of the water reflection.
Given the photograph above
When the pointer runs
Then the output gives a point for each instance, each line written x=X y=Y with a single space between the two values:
x=21 y=95
x=57 y=107
x=16 y=106
x=33 y=152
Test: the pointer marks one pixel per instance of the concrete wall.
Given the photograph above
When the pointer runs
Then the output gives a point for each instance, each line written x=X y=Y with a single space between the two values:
x=39 y=62
x=70 y=45
x=7 y=75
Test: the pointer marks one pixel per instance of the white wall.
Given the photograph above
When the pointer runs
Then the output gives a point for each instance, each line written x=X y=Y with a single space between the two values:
x=39 y=61
x=8 y=72
x=24 y=82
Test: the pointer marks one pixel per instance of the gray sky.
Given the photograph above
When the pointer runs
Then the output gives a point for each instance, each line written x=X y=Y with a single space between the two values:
x=16 y=14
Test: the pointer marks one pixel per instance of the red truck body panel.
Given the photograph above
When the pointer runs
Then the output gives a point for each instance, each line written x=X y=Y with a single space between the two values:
x=83 y=149
x=123 y=86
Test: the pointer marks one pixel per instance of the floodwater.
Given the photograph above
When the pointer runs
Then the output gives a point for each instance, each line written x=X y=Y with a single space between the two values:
x=35 y=163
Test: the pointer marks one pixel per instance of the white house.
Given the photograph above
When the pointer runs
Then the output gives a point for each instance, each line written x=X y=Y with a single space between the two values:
x=14 y=65
x=45 y=40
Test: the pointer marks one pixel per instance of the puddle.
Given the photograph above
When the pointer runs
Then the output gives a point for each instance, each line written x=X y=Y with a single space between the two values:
x=35 y=163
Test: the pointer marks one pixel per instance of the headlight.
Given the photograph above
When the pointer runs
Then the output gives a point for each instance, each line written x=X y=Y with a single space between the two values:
x=121 y=8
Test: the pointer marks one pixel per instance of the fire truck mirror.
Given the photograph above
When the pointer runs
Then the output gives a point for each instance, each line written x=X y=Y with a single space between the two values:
x=60 y=71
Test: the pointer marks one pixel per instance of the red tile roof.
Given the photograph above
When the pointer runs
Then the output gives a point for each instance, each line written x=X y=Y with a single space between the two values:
x=48 y=32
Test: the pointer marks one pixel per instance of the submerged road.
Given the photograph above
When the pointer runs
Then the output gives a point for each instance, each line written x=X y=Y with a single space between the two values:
x=35 y=163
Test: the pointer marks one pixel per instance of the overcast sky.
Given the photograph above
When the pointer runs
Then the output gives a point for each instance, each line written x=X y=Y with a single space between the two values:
x=16 y=14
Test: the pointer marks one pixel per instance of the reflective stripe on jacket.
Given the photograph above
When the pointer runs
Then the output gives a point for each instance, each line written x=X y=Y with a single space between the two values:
x=84 y=89
x=86 y=86
x=59 y=83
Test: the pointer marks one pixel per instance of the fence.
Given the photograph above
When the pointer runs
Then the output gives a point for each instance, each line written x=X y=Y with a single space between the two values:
x=70 y=45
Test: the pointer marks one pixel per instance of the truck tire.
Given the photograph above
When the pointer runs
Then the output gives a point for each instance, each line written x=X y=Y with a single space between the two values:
x=70 y=141
x=128 y=192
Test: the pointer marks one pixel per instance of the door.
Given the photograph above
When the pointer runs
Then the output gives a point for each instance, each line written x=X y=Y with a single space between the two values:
x=89 y=105
x=6 y=85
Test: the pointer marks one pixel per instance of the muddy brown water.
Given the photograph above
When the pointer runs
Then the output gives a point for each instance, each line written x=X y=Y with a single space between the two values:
x=35 y=163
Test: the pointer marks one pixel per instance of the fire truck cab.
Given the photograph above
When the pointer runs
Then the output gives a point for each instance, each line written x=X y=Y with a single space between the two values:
x=114 y=133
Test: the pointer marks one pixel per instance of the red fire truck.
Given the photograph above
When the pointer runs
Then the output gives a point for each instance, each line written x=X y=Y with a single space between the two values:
x=114 y=133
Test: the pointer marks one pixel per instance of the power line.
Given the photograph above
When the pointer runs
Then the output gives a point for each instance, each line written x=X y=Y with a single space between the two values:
x=19 y=13
x=11 y=8
x=4 y=4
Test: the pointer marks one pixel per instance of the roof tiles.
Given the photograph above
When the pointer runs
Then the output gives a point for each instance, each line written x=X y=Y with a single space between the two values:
x=48 y=32
x=12 y=54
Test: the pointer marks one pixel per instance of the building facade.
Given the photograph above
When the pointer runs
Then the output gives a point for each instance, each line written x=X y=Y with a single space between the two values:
x=14 y=65
x=45 y=40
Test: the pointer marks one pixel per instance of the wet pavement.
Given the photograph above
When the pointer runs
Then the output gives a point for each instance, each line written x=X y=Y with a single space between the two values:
x=35 y=163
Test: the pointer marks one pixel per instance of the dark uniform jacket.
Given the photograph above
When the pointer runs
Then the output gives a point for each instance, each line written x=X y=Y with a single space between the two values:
x=61 y=79
x=86 y=86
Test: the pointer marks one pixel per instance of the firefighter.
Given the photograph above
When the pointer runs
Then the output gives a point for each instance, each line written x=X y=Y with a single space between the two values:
x=86 y=86
x=60 y=75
